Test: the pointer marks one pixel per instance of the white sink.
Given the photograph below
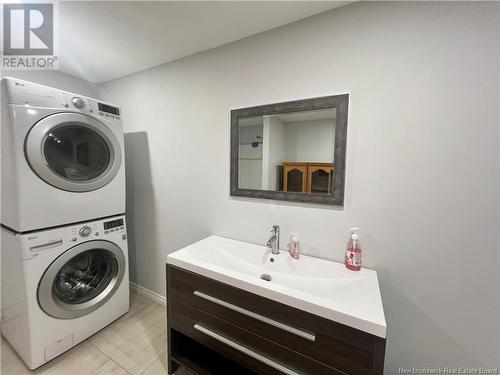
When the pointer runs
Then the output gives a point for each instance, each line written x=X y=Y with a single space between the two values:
x=318 y=286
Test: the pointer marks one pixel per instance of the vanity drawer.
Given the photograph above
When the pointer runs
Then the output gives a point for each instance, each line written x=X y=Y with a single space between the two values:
x=259 y=354
x=340 y=347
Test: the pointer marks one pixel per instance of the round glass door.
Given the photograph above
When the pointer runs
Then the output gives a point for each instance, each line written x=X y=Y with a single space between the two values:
x=76 y=153
x=73 y=152
x=84 y=276
x=81 y=279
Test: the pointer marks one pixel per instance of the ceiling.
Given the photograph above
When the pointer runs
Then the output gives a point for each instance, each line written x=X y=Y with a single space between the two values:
x=302 y=116
x=102 y=41
x=294 y=117
x=251 y=121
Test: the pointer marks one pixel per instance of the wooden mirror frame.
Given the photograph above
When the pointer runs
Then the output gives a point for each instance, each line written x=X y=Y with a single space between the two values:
x=341 y=103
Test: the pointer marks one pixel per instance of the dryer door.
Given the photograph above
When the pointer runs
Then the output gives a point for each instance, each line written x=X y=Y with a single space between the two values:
x=73 y=152
x=81 y=279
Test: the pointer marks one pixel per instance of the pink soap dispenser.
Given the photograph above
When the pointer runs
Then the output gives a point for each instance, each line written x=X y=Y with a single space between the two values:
x=294 y=245
x=353 y=251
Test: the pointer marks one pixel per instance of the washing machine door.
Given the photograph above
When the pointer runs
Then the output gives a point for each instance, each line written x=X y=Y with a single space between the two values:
x=73 y=152
x=81 y=279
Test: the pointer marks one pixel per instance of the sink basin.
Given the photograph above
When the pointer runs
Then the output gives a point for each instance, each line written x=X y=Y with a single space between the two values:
x=318 y=286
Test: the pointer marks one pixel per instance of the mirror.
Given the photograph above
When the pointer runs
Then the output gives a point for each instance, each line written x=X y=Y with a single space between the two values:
x=292 y=151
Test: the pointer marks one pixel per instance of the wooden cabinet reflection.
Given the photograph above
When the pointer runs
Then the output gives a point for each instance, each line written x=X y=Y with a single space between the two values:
x=308 y=177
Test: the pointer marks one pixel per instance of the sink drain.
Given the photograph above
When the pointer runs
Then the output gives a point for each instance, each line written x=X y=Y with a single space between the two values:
x=265 y=276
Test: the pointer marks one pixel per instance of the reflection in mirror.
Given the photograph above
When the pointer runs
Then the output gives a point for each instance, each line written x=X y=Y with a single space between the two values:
x=289 y=152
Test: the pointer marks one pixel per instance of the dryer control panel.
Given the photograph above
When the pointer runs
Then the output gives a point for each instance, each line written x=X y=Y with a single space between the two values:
x=19 y=92
x=108 y=109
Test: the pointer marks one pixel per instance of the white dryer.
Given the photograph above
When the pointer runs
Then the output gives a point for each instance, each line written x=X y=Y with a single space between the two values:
x=60 y=286
x=62 y=157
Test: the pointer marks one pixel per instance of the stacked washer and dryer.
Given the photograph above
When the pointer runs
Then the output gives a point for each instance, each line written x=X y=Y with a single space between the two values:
x=64 y=260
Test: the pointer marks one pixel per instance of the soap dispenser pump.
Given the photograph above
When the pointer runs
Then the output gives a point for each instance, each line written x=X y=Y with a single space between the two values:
x=353 y=251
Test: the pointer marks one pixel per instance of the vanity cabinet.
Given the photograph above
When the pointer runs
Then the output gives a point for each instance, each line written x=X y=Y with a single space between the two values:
x=215 y=328
x=308 y=177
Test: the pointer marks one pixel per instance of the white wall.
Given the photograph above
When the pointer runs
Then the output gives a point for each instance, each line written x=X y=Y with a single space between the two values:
x=57 y=79
x=273 y=153
x=422 y=161
x=310 y=141
x=250 y=158
x=250 y=167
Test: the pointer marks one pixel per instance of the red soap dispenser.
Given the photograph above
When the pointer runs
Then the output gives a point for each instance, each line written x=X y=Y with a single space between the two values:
x=353 y=251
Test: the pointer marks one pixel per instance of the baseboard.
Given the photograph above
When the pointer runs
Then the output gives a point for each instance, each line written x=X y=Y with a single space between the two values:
x=158 y=298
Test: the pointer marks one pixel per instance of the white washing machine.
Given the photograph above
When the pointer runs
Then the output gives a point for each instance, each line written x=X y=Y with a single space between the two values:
x=62 y=157
x=59 y=286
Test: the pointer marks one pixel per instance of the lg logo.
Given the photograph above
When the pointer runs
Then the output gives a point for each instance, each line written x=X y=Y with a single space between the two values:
x=28 y=29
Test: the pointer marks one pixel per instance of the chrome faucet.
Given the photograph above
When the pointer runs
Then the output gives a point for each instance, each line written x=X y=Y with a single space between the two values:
x=274 y=241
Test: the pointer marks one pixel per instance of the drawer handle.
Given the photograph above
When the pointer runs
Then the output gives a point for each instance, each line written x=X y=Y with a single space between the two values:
x=251 y=314
x=244 y=350
x=46 y=245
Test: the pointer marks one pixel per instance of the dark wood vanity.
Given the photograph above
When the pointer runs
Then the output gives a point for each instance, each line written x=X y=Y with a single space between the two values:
x=215 y=328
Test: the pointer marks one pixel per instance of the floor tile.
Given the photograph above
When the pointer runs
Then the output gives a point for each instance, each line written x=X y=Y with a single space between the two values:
x=137 y=339
x=11 y=363
x=141 y=353
x=158 y=367
x=118 y=335
x=15 y=368
x=137 y=301
x=7 y=353
x=110 y=368
x=83 y=359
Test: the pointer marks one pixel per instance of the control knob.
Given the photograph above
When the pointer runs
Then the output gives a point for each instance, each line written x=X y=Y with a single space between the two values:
x=78 y=102
x=85 y=231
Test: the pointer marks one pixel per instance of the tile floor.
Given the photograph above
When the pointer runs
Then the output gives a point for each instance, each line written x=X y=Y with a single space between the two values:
x=135 y=344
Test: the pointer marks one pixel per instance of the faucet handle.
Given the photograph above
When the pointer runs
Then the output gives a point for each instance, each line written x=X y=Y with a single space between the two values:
x=275 y=229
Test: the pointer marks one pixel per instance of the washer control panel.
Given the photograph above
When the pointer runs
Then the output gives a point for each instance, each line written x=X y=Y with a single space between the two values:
x=109 y=227
x=85 y=231
x=78 y=102
x=113 y=226
x=48 y=241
